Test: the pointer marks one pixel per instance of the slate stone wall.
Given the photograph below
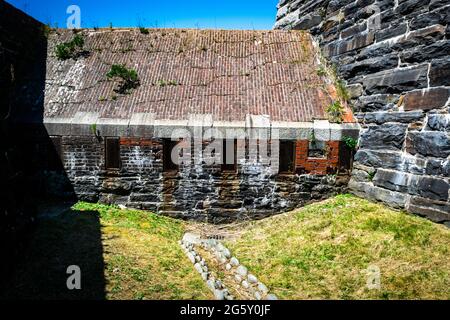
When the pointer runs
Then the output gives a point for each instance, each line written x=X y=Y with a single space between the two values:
x=200 y=192
x=395 y=58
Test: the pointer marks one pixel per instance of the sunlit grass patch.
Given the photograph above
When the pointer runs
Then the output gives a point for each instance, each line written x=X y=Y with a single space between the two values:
x=324 y=251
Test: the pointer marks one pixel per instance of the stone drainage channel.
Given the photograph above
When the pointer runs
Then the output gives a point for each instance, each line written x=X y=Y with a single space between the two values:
x=238 y=279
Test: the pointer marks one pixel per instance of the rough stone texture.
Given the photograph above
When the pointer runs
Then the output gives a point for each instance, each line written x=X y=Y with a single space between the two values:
x=200 y=192
x=395 y=58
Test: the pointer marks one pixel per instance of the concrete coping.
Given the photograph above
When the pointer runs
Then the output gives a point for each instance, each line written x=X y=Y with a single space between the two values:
x=146 y=125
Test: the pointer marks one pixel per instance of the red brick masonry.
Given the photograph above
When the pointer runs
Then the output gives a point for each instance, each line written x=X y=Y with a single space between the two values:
x=319 y=166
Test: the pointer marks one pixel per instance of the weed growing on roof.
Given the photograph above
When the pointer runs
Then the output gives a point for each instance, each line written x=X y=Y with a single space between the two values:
x=164 y=83
x=321 y=71
x=335 y=112
x=70 y=49
x=128 y=78
x=143 y=30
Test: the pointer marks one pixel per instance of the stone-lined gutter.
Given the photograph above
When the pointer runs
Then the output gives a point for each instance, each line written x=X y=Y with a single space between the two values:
x=246 y=282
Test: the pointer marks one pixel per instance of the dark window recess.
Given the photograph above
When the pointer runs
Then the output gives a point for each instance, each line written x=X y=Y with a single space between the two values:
x=229 y=162
x=112 y=153
x=168 y=163
x=287 y=156
x=317 y=149
x=54 y=154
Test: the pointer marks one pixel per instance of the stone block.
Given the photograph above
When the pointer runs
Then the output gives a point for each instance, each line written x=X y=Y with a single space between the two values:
x=439 y=122
x=426 y=99
x=368 y=190
x=437 y=211
x=307 y=21
x=379 y=159
x=426 y=52
x=428 y=143
x=369 y=66
x=384 y=116
x=440 y=72
x=397 y=81
x=343 y=46
x=433 y=188
x=388 y=136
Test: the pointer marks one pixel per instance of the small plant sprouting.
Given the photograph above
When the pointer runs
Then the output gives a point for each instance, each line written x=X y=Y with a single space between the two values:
x=350 y=142
x=335 y=112
x=321 y=71
x=128 y=78
x=94 y=129
x=143 y=30
x=342 y=90
x=164 y=83
x=371 y=175
x=70 y=49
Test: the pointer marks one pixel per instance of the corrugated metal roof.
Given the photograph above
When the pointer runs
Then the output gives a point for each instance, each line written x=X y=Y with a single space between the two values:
x=224 y=73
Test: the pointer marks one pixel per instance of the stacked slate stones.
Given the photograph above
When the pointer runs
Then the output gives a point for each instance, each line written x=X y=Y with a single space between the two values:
x=395 y=58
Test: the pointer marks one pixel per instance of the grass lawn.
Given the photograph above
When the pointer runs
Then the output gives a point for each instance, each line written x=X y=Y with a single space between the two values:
x=321 y=251
x=123 y=254
x=324 y=250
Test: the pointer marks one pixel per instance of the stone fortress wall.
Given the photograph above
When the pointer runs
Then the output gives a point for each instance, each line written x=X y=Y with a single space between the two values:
x=395 y=58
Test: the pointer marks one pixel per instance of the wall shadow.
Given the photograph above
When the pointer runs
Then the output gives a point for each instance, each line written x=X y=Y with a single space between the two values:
x=71 y=238
x=31 y=171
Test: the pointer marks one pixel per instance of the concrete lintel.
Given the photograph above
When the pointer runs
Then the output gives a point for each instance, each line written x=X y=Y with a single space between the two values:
x=141 y=125
x=57 y=126
x=107 y=127
x=166 y=128
x=83 y=123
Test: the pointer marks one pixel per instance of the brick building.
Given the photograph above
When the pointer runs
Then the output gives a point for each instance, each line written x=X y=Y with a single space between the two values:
x=246 y=86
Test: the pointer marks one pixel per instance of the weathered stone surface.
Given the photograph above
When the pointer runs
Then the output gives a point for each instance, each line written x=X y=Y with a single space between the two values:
x=392 y=180
x=368 y=66
x=391 y=32
x=377 y=102
x=433 y=188
x=308 y=21
x=368 y=190
x=379 y=159
x=342 y=46
x=439 y=122
x=426 y=52
x=429 y=143
x=396 y=81
x=383 y=117
x=386 y=136
x=438 y=211
x=426 y=99
x=355 y=90
x=440 y=72
x=436 y=167
x=385 y=75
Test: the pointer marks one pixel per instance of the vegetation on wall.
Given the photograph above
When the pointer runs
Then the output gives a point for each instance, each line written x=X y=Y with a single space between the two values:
x=128 y=78
x=70 y=49
x=335 y=112
x=350 y=142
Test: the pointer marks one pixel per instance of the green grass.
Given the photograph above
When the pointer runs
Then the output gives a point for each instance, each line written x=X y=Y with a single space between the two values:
x=123 y=254
x=323 y=251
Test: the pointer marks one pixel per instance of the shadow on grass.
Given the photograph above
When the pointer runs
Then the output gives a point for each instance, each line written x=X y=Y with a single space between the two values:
x=71 y=238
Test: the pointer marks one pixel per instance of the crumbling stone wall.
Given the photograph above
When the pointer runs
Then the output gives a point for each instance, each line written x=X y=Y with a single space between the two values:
x=395 y=58
x=197 y=191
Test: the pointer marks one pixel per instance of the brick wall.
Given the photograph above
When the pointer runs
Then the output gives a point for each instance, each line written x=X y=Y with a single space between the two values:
x=328 y=165
x=197 y=191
